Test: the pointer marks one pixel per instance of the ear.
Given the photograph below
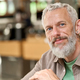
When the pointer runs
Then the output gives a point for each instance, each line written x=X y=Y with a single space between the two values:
x=78 y=26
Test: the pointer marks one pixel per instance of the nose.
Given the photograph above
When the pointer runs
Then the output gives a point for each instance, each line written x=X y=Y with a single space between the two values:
x=55 y=32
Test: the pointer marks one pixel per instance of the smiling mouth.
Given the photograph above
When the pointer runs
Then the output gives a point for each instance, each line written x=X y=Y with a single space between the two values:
x=58 y=40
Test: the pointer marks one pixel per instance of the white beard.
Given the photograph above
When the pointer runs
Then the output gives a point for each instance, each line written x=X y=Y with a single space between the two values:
x=67 y=49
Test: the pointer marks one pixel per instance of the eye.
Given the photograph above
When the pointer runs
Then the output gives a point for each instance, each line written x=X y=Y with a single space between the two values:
x=62 y=24
x=49 y=28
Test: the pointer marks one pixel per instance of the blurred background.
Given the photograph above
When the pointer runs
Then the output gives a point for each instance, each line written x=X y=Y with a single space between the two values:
x=22 y=38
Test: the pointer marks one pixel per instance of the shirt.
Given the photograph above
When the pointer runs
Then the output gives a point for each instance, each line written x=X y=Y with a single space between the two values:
x=50 y=61
x=69 y=72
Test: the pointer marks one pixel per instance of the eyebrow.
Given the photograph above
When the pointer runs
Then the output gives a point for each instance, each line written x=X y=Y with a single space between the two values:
x=61 y=21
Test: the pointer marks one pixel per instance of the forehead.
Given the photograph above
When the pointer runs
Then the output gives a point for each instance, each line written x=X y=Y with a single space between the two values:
x=56 y=15
x=56 y=12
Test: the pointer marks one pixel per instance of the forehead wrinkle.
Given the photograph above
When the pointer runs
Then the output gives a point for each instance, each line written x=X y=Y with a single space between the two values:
x=49 y=17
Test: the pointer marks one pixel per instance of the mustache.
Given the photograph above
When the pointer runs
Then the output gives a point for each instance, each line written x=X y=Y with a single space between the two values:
x=58 y=38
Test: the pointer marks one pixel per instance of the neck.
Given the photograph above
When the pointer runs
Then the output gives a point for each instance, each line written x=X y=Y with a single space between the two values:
x=75 y=54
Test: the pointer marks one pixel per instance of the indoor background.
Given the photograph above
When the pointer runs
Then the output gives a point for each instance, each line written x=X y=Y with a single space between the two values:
x=22 y=38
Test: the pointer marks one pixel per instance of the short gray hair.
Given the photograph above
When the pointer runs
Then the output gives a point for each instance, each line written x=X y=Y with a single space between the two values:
x=72 y=12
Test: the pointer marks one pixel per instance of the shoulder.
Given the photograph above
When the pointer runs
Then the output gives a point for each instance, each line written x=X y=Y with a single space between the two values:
x=46 y=62
x=47 y=59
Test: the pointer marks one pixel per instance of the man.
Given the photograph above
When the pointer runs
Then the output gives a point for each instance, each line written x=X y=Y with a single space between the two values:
x=62 y=61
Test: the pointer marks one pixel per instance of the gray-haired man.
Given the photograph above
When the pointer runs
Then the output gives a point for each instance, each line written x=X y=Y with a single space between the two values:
x=62 y=29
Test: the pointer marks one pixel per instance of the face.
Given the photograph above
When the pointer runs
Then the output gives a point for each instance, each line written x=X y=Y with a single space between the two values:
x=59 y=32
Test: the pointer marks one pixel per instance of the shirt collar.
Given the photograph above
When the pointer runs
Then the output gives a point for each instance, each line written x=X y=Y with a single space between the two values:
x=60 y=60
x=56 y=59
x=78 y=60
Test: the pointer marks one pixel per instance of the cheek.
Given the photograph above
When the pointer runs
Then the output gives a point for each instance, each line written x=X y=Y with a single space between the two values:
x=66 y=33
x=49 y=37
x=68 y=30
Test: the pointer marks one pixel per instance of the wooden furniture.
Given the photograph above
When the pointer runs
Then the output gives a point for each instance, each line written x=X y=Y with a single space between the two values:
x=34 y=47
x=10 y=48
x=30 y=49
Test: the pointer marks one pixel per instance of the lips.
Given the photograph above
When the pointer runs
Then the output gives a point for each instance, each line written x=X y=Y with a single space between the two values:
x=58 y=40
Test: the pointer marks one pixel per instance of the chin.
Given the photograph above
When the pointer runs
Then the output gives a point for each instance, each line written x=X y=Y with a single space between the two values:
x=64 y=49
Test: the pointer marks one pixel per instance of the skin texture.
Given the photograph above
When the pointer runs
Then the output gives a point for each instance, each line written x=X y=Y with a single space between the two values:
x=54 y=26
x=58 y=23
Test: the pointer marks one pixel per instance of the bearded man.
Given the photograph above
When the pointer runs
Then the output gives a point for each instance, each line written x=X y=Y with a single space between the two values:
x=62 y=29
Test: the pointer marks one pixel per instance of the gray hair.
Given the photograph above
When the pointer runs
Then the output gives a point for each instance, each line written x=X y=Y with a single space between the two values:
x=72 y=12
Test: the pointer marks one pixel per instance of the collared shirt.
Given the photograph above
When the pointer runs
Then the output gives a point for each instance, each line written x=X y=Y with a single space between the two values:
x=50 y=61
x=69 y=72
